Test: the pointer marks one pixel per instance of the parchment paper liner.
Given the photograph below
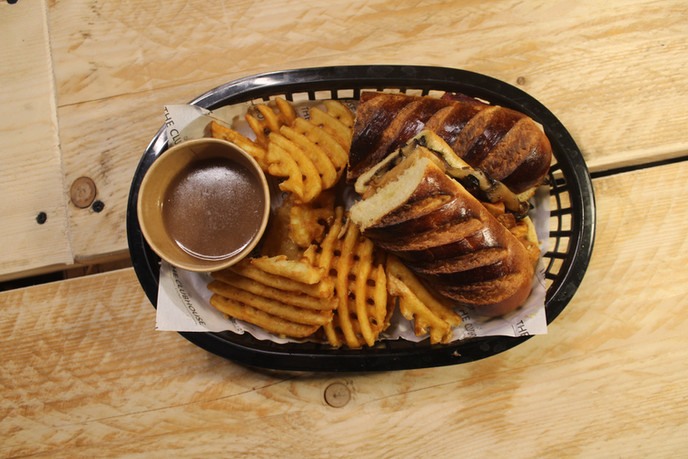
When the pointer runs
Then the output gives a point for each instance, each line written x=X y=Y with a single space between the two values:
x=183 y=299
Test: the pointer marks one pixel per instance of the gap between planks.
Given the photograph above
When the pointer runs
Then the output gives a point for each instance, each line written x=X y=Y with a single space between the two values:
x=119 y=261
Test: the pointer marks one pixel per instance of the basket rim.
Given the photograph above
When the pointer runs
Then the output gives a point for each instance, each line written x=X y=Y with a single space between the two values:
x=391 y=355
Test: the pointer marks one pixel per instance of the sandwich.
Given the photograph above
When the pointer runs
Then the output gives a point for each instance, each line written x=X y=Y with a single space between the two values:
x=430 y=197
x=443 y=233
x=507 y=145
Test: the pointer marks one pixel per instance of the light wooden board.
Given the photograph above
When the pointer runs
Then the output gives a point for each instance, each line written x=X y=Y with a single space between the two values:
x=83 y=372
x=612 y=73
x=617 y=66
x=30 y=164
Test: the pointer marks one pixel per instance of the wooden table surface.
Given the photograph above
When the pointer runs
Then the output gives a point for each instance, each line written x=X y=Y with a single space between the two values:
x=84 y=373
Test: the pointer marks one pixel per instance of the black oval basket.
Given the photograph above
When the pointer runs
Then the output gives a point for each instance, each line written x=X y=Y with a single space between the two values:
x=572 y=221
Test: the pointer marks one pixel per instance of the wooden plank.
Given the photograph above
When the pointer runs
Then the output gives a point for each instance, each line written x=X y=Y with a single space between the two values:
x=108 y=153
x=83 y=372
x=609 y=72
x=614 y=66
x=30 y=164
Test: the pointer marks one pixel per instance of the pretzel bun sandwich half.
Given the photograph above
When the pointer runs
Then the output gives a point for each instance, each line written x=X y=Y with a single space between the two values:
x=466 y=250
x=507 y=145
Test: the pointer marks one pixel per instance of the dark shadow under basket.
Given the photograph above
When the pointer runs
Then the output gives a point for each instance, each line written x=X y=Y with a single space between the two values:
x=572 y=220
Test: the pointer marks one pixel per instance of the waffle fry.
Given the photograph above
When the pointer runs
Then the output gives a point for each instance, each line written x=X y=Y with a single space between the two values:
x=229 y=279
x=258 y=129
x=418 y=304
x=258 y=153
x=340 y=112
x=282 y=164
x=295 y=270
x=312 y=182
x=360 y=287
x=270 y=121
x=277 y=308
x=322 y=289
x=286 y=110
x=321 y=147
x=264 y=320
x=312 y=156
x=308 y=222
x=326 y=169
x=332 y=126
x=334 y=150
x=272 y=294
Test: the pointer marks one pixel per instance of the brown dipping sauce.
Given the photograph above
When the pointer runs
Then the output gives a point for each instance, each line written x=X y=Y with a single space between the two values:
x=214 y=208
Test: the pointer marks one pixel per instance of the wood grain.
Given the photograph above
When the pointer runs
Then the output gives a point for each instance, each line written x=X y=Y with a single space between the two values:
x=589 y=63
x=84 y=373
x=30 y=161
x=610 y=73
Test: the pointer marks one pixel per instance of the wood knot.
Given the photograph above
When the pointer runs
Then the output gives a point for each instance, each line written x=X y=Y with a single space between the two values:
x=337 y=395
x=82 y=192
